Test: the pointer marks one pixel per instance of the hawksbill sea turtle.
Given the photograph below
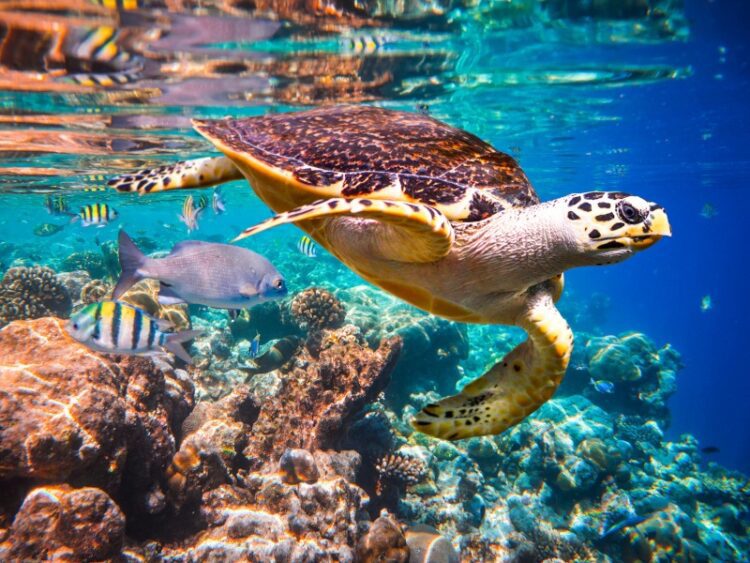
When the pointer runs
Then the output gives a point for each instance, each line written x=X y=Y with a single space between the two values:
x=437 y=217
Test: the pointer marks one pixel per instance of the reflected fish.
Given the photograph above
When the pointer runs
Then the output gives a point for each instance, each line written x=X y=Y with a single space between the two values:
x=307 y=247
x=710 y=450
x=217 y=202
x=99 y=214
x=190 y=214
x=223 y=276
x=706 y=304
x=603 y=386
x=56 y=205
x=254 y=346
x=119 y=328
x=364 y=44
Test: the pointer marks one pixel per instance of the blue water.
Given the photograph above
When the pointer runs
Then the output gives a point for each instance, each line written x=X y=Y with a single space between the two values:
x=582 y=107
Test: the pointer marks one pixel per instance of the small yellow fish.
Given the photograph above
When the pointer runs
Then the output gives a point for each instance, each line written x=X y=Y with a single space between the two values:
x=99 y=214
x=307 y=247
x=190 y=214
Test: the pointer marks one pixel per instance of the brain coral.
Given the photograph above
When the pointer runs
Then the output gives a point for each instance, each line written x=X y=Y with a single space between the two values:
x=30 y=293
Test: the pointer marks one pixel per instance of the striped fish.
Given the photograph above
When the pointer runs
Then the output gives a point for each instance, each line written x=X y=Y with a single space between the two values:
x=307 y=247
x=99 y=214
x=119 y=328
x=364 y=44
x=56 y=205
x=100 y=44
x=117 y=4
x=190 y=214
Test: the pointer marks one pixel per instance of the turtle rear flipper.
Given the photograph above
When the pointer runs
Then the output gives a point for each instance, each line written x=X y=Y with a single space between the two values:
x=418 y=232
x=198 y=173
x=515 y=387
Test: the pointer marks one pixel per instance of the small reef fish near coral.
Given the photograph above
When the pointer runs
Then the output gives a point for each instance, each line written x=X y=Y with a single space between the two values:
x=217 y=275
x=110 y=326
x=425 y=307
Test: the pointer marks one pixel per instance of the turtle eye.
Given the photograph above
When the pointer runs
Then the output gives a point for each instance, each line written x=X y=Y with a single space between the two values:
x=629 y=213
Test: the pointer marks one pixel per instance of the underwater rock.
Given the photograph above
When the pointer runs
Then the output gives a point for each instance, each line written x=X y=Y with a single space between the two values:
x=384 y=542
x=426 y=545
x=63 y=523
x=68 y=414
x=213 y=437
x=319 y=395
x=88 y=260
x=317 y=308
x=298 y=466
x=31 y=293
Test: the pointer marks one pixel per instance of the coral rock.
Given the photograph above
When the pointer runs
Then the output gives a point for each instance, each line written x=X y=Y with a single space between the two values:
x=68 y=413
x=426 y=545
x=63 y=523
x=298 y=466
x=383 y=543
x=95 y=291
x=317 y=397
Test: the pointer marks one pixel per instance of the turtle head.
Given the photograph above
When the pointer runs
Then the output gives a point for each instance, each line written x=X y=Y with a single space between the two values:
x=612 y=226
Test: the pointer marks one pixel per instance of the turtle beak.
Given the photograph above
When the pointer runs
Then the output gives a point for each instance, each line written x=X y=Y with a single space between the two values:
x=651 y=231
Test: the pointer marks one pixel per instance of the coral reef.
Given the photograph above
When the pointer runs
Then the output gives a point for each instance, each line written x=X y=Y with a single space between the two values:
x=69 y=415
x=317 y=308
x=65 y=524
x=144 y=295
x=399 y=470
x=94 y=291
x=30 y=293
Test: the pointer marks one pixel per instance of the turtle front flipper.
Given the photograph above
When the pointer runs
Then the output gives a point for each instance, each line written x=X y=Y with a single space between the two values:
x=198 y=173
x=515 y=387
x=416 y=232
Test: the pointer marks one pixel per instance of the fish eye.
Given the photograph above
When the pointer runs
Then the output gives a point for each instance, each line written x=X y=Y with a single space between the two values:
x=629 y=213
x=278 y=284
x=75 y=326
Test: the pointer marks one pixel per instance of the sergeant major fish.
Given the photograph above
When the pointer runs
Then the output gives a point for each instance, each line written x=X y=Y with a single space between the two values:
x=99 y=214
x=119 y=328
x=205 y=273
x=307 y=247
x=217 y=202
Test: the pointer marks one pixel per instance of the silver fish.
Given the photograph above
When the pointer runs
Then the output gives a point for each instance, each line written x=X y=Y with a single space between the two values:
x=217 y=202
x=205 y=273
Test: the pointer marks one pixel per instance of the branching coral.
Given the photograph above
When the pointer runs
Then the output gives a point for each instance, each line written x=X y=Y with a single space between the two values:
x=30 y=293
x=317 y=309
x=400 y=470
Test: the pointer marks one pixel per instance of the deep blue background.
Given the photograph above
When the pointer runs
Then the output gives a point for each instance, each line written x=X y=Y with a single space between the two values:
x=689 y=146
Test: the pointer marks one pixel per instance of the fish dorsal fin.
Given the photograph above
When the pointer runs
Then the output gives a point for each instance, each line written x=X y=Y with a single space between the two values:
x=187 y=244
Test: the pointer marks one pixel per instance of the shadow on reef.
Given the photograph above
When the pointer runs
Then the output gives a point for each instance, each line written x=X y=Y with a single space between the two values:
x=293 y=451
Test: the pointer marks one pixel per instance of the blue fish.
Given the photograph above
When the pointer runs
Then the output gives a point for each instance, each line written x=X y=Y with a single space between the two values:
x=603 y=386
x=629 y=522
x=255 y=346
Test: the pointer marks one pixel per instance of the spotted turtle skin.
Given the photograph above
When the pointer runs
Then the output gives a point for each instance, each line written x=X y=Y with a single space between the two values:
x=363 y=151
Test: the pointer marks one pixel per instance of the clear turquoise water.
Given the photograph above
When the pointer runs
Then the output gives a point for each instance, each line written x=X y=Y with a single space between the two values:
x=650 y=105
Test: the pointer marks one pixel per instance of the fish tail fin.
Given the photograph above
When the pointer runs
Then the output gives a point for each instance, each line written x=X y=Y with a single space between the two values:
x=131 y=259
x=74 y=217
x=173 y=343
